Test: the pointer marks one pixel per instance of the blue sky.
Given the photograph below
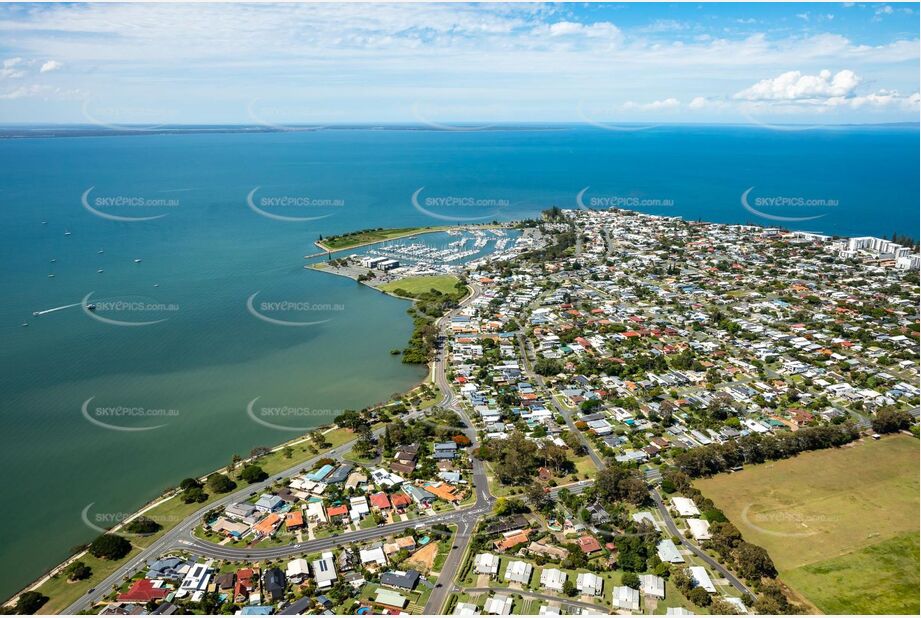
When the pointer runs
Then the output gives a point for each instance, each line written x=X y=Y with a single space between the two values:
x=281 y=64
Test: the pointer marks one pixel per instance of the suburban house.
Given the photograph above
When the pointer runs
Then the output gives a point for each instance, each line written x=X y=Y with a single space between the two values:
x=552 y=579
x=589 y=584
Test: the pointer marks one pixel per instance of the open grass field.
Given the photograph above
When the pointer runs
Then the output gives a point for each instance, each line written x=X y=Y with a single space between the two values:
x=879 y=579
x=826 y=516
x=418 y=285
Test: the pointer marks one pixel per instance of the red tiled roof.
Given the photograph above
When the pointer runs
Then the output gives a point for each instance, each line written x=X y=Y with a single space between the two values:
x=380 y=500
x=589 y=544
x=143 y=590
x=400 y=500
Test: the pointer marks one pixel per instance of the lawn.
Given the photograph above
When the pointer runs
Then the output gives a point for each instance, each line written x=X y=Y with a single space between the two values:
x=419 y=285
x=819 y=511
x=878 y=579
x=354 y=239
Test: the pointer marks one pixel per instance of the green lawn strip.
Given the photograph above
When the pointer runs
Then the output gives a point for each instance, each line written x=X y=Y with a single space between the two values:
x=347 y=241
x=61 y=593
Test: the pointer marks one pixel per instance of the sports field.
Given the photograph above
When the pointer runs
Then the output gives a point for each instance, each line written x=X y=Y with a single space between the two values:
x=837 y=522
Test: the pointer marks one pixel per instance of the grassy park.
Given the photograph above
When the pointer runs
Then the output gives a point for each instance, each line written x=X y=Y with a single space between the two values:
x=365 y=237
x=419 y=285
x=838 y=523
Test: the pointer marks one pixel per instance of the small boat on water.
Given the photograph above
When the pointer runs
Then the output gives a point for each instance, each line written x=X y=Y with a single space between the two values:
x=99 y=271
x=51 y=275
x=53 y=260
x=66 y=232
x=137 y=260
x=100 y=252
x=24 y=324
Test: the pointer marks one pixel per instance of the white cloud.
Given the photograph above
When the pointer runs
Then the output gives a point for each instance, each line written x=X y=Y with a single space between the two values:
x=665 y=104
x=602 y=29
x=795 y=86
x=51 y=65
x=10 y=70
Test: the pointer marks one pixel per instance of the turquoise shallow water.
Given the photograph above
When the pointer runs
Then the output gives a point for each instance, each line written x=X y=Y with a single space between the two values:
x=212 y=252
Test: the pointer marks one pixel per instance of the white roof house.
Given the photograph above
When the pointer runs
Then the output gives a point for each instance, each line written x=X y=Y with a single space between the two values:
x=324 y=570
x=701 y=578
x=373 y=556
x=678 y=611
x=486 y=564
x=627 y=598
x=297 y=569
x=358 y=507
x=685 y=506
x=550 y=609
x=668 y=552
x=518 y=571
x=589 y=584
x=466 y=609
x=315 y=512
x=499 y=605
x=652 y=585
x=553 y=579
x=645 y=516
x=700 y=529
x=196 y=579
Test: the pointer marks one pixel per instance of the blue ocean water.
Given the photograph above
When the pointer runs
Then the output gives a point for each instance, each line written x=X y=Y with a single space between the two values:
x=212 y=251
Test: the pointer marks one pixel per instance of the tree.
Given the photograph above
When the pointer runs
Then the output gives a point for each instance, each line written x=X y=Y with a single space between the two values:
x=253 y=474
x=617 y=482
x=194 y=494
x=773 y=600
x=889 y=420
x=754 y=562
x=719 y=607
x=631 y=580
x=142 y=525
x=539 y=499
x=110 y=547
x=188 y=483
x=569 y=588
x=30 y=602
x=547 y=367
x=77 y=571
x=700 y=597
x=220 y=483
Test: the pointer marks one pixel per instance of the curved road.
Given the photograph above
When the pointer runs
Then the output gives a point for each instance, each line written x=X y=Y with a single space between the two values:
x=713 y=564
x=182 y=536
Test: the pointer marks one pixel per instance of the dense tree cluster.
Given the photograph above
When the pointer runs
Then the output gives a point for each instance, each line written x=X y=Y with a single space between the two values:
x=618 y=482
x=110 y=547
x=517 y=458
x=758 y=448
x=890 y=420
